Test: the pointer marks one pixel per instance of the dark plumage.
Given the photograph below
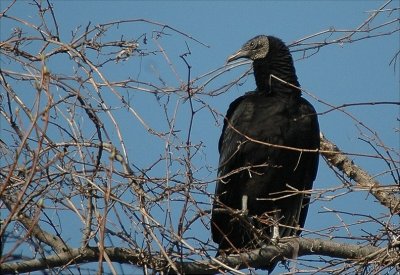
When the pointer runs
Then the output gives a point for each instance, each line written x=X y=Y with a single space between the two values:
x=255 y=179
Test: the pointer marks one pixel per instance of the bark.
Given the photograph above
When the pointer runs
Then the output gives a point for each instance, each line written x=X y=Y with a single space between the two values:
x=259 y=258
x=338 y=159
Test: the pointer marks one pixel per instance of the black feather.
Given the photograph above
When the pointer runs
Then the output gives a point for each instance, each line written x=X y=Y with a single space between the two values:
x=274 y=114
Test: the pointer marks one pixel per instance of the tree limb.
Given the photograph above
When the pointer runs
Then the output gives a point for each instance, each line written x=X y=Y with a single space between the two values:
x=36 y=231
x=259 y=258
x=335 y=157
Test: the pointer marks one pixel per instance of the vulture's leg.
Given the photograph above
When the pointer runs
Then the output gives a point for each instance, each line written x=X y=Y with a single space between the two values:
x=275 y=229
x=245 y=210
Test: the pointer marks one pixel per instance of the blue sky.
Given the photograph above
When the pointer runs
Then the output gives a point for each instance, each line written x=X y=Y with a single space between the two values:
x=337 y=74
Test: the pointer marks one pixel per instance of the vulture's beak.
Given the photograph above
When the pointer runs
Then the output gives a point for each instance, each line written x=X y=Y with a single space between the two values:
x=239 y=54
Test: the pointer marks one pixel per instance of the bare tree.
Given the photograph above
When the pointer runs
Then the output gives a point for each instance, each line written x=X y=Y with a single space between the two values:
x=73 y=191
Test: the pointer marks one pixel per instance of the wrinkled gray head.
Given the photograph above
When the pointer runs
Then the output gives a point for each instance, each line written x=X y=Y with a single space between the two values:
x=255 y=48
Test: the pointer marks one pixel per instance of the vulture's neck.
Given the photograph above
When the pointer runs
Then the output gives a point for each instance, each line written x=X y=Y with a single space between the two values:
x=279 y=65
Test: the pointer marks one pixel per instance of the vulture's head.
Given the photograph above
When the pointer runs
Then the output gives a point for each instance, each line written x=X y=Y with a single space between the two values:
x=270 y=56
x=254 y=49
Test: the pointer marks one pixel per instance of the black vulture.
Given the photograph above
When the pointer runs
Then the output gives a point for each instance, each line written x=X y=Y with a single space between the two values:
x=263 y=175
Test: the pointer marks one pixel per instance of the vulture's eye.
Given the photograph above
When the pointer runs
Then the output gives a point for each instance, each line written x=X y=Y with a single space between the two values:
x=252 y=45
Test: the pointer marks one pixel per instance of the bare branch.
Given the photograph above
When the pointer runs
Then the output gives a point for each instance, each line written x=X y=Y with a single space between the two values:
x=335 y=157
x=259 y=258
